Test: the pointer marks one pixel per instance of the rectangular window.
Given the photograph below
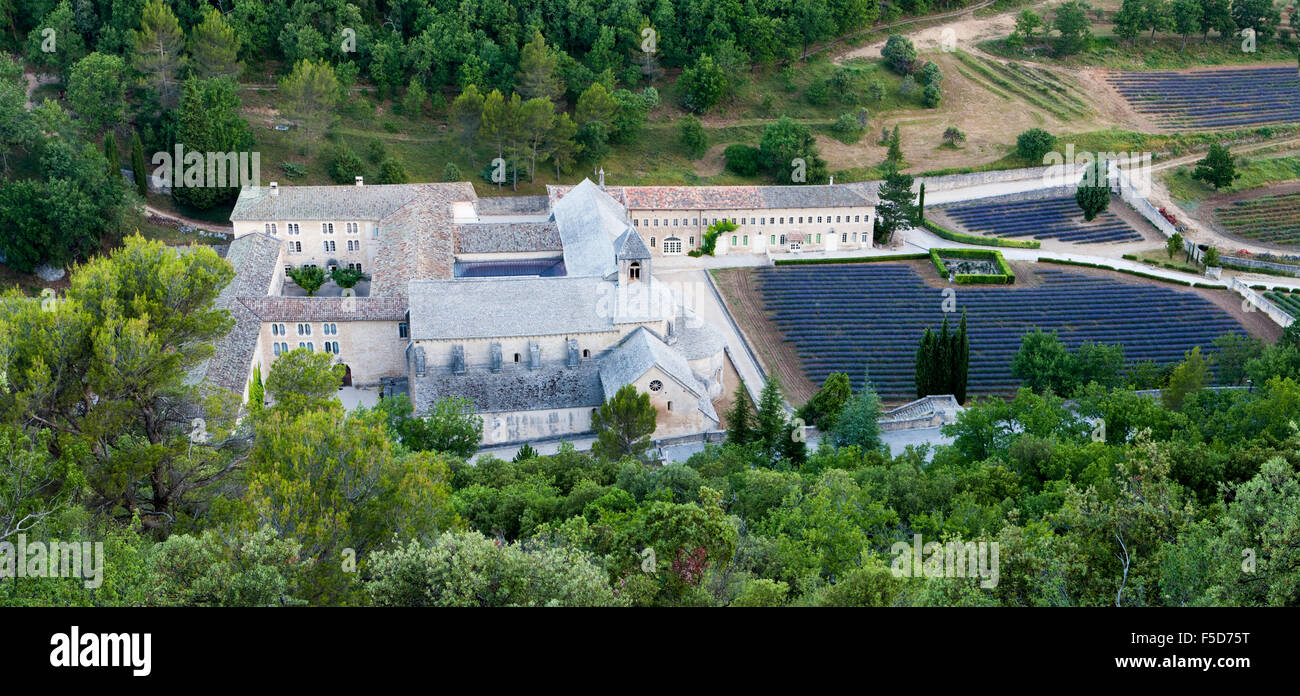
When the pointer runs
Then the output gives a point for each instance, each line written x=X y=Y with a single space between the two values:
x=746 y=242
x=733 y=240
x=773 y=240
x=692 y=242
x=652 y=242
x=402 y=330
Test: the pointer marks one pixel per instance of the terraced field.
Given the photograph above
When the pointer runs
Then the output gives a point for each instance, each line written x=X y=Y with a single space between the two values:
x=1212 y=99
x=1049 y=218
x=1286 y=301
x=1040 y=87
x=847 y=318
x=1267 y=219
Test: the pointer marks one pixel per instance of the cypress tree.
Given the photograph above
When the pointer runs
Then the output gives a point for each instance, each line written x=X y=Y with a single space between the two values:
x=740 y=419
x=962 y=350
x=110 y=154
x=256 y=391
x=920 y=205
x=137 y=165
x=924 y=363
x=943 y=361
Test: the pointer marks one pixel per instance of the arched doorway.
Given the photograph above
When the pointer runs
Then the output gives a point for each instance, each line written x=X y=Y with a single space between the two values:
x=347 y=375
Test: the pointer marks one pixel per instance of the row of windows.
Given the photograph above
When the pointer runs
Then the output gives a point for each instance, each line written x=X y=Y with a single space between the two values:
x=673 y=241
x=327 y=246
x=678 y=222
x=304 y=329
x=325 y=228
x=744 y=241
x=331 y=347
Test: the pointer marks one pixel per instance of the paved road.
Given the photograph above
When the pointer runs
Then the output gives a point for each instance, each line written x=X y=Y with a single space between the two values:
x=896 y=440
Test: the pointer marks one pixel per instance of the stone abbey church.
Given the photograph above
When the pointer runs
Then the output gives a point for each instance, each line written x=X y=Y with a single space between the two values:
x=537 y=308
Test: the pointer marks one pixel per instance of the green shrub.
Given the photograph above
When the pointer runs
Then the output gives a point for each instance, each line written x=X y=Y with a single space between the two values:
x=977 y=239
x=741 y=159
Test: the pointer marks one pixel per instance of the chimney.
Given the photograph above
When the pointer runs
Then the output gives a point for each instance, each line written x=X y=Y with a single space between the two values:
x=275 y=189
x=360 y=182
x=602 y=177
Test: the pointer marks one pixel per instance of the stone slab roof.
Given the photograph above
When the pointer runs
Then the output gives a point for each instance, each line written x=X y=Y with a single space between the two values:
x=512 y=205
x=696 y=339
x=416 y=240
x=506 y=307
x=255 y=258
x=326 y=308
x=514 y=388
x=505 y=237
x=370 y=202
x=630 y=246
x=589 y=221
x=640 y=351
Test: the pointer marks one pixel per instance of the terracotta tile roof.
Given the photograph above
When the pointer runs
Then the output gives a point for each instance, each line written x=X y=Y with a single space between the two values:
x=731 y=197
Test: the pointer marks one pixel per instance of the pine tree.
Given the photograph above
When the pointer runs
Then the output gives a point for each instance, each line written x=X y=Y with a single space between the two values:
x=137 y=165
x=859 y=424
x=740 y=419
x=539 y=75
x=159 y=51
x=895 y=156
x=214 y=47
x=525 y=453
x=110 y=155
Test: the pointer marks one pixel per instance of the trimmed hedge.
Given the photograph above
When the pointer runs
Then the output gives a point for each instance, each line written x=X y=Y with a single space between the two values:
x=1005 y=277
x=977 y=239
x=850 y=259
x=1140 y=274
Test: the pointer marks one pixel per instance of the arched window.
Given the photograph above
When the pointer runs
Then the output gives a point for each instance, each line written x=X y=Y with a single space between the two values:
x=586 y=352
x=634 y=270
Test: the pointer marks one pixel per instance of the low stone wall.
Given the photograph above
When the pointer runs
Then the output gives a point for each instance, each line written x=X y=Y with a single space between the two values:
x=1261 y=303
x=1237 y=262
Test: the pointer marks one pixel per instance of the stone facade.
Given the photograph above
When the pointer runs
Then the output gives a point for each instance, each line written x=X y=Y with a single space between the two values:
x=536 y=354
